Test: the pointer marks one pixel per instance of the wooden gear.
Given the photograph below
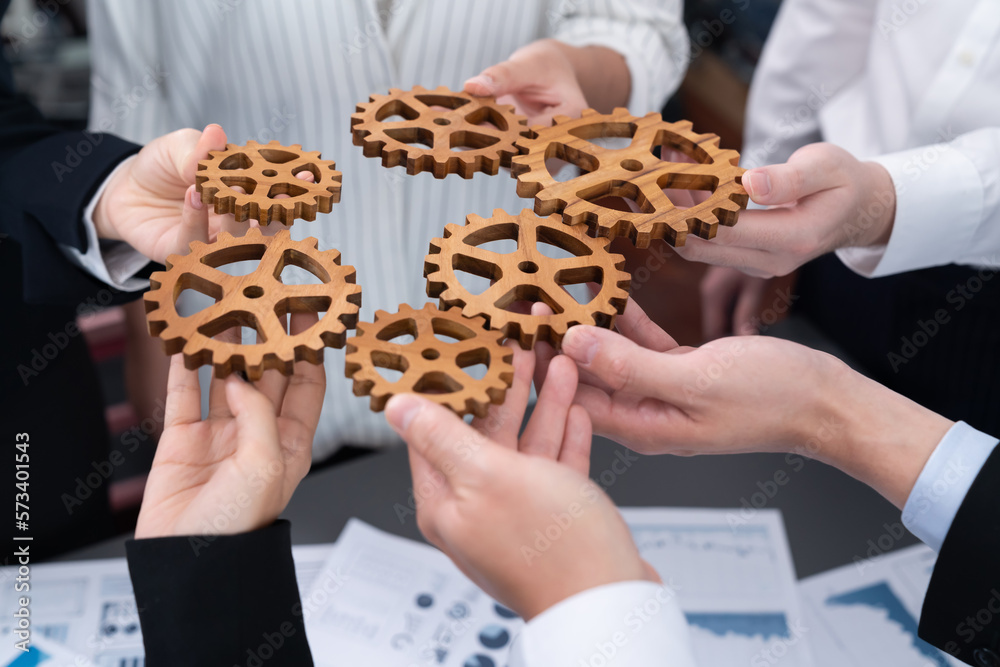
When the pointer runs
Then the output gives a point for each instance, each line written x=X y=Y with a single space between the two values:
x=265 y=171
x=633 y=172
x=431 y=366
x=461 y=124
x=258 y=300
x=527 y=274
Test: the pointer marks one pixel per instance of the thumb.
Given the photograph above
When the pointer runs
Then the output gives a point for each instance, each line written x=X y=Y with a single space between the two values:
x=213 y=138
x=808 y=171
x=256 y=421
x=436 y=433
x=500 y=79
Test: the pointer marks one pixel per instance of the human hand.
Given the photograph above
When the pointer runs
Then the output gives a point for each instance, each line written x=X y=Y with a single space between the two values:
x=517 y=516
x=752 y=394
x=730 y=301
x=151 y=202
x=543 y=79
x=822 y=199
x=250 y=453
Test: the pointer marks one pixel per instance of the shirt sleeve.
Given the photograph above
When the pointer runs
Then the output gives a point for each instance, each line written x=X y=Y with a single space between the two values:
x=944 y=483
x=115 y=263
x=947 y=208
x=650 y=34
x=815 y=48
x=219 y=599
x=619 y=625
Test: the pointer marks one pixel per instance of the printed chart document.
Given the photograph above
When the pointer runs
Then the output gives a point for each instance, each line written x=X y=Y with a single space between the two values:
x=865 y=614
x=734 y=581
x=87 y=609
x=385 y=600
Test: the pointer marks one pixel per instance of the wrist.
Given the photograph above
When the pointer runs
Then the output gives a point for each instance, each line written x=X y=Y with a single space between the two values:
x=879 y=212
x=103 y=218
x=877 y=436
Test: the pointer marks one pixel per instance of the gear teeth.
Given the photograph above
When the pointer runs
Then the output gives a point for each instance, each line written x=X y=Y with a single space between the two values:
x=184 y=334
x=471 y=396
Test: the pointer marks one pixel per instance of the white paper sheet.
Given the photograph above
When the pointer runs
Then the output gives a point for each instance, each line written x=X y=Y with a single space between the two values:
x=866 y=614
x=734 y=581
x=88 y=608
x=736 y=585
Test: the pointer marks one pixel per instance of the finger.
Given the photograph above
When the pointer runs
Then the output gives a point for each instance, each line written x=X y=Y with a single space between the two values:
x=748 y=260
x=256 y=421
x=183 y=404
x=194 y=223
x=809 y=170
x=303 y=400
x=503 y=422
x=501 y=79
x=438 y=434
x=218 y=407
x=745 y=321
x=213 y=138
x=623 y=365
x=543 y=351
x=544 y=434
x=718 y=289
x=635 y=325
x=575 y=450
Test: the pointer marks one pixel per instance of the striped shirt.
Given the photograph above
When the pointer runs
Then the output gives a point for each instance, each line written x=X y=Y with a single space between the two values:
x=294 y=71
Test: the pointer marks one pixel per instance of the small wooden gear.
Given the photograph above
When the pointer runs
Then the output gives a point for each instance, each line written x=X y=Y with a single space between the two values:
x=265 y=171
x=526 y=274
x=258 y=300
x=430 y=365
x=633 y=172
x=486 y=130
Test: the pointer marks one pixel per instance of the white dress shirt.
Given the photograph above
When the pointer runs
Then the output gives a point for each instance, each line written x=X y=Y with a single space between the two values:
x=914 y=86
x=294 y=71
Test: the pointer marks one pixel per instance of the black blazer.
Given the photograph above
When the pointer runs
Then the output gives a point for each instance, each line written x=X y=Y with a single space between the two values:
x=219 y=600
x=961 y=613
x=47 y=178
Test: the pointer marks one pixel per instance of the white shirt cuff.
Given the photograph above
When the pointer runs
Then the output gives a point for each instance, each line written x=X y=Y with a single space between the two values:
x=944 y=483
x=113 y=262
x=631 y=623
x=939 y=205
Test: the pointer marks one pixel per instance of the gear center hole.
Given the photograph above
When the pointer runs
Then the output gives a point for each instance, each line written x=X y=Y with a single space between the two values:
x=253 y=292
x=632 y=165
x=527 y=267
x=442 y=121
x=430 y=354
x=270 y=173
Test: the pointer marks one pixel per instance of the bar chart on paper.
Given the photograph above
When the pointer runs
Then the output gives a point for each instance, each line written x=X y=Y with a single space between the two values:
x=734 y=581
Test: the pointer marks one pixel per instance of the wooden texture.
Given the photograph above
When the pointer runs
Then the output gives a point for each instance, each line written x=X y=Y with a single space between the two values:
x=267 y=174
x=259 y=300
x=430 y=364
x=527 y=275
x=633 y=173
x=441 y=131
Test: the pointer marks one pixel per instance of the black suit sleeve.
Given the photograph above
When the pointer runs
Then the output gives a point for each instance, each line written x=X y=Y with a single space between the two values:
x=47 y=177
x=961 y=612
x=219 y=600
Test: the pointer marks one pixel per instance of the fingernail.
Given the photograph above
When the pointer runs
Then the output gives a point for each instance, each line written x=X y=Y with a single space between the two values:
x=757 y=183
x=483 y=80
x=195 y=199
x=401 y=410
x=580 y=345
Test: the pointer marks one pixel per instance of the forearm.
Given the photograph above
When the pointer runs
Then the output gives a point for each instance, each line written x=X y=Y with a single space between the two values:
x=873 y=434
x=602 y=73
